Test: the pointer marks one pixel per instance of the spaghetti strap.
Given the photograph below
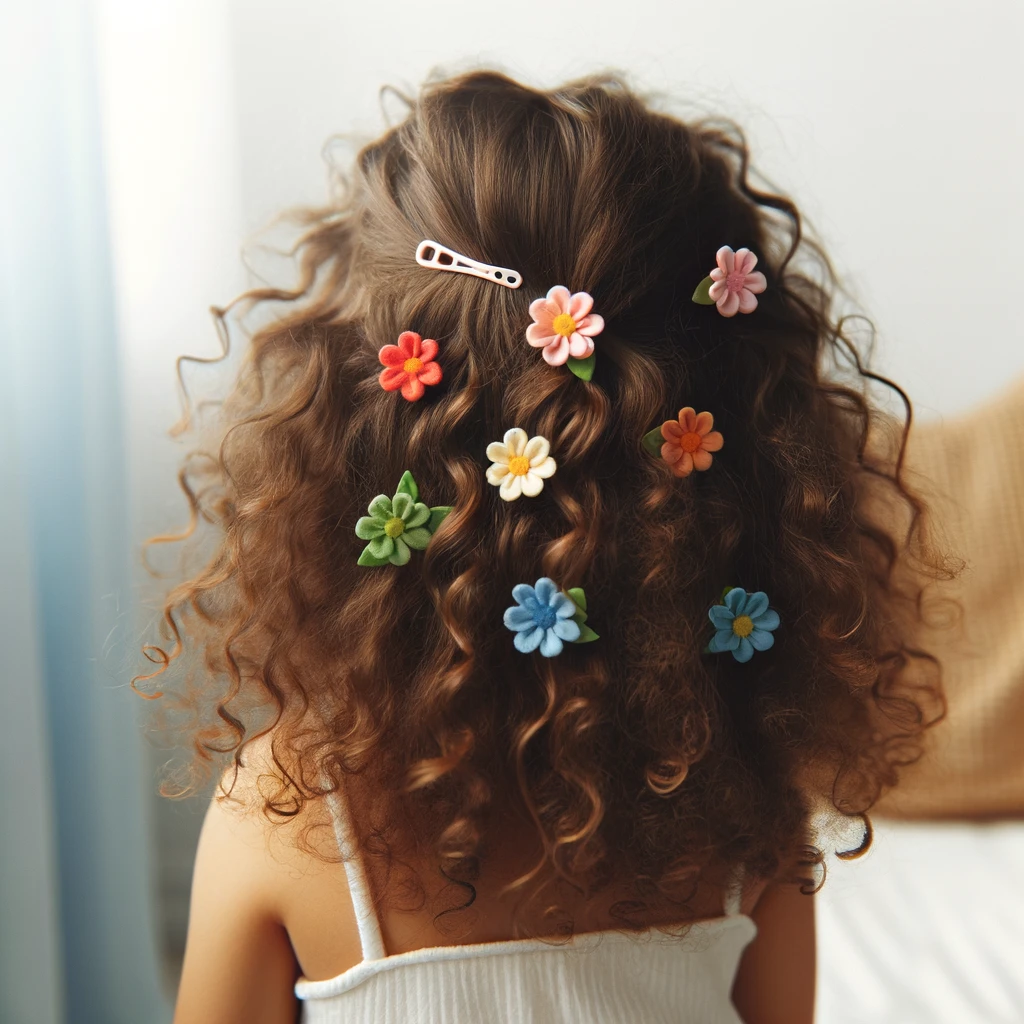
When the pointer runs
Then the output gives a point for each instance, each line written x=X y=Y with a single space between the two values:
x=734 y=894
x=370 y=937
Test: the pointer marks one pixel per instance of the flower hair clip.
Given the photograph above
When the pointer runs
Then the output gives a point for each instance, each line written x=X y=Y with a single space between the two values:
x=519 y=464
x=564 y=328
x=409 y=365
x=743 y=624
x=685 y=443
x=733 y=286
x=398 y=525
x=544 y=618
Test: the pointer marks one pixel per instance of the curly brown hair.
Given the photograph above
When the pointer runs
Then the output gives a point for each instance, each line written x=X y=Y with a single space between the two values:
x=639 y=757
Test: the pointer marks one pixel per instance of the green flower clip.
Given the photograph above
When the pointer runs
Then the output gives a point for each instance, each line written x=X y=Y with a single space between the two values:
x=398 y=526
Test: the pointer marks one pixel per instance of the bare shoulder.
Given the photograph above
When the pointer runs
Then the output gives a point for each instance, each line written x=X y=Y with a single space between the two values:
x=303 y=882
x=255 y=815
x=259 y=884
x=775 y=982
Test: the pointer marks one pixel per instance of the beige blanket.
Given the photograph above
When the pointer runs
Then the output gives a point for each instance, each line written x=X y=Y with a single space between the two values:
x=971 y=470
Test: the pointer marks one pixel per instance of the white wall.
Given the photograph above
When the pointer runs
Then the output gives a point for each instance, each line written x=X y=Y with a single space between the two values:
x=894 y=123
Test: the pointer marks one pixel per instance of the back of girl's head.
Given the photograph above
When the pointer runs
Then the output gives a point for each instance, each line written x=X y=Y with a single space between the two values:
x=639 y=755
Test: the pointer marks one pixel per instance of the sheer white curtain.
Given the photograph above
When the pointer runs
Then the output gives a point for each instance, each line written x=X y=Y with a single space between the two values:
x=166 y=84
x=78 y=942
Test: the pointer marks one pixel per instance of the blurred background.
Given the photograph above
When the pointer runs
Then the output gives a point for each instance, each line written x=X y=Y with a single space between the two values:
x=144 y=146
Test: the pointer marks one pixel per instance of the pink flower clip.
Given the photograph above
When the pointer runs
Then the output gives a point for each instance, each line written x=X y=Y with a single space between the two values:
x=564 y=327
x=409 y=365
x=733 y=285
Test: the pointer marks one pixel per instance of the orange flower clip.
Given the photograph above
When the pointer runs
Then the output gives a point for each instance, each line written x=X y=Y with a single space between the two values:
x=409 y=365
x=685 y=443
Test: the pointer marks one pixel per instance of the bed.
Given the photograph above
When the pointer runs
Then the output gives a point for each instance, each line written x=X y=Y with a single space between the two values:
x=928 y=927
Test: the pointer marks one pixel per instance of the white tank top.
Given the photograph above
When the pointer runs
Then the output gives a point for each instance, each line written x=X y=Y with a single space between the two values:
x=608 y=977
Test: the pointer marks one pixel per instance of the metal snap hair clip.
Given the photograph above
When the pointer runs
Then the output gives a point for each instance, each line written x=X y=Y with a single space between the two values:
x=435 y=256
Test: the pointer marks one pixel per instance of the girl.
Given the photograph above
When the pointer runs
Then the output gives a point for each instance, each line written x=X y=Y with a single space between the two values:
x=554 y=587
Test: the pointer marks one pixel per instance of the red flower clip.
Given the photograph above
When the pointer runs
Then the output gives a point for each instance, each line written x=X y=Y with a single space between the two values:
x=409 y=365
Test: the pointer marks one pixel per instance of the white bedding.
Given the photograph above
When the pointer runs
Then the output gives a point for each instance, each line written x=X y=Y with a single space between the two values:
x=927 y=928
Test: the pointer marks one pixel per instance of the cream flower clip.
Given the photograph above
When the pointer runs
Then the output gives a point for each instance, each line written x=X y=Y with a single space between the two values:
x=519 y=465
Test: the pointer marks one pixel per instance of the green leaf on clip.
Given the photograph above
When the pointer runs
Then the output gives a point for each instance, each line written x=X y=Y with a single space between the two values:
x=437 y=516
x=652 y=441
x=700 y=294
x=725 y=591
x=583 y=368
x=578 y=598
x=366 y=558
x=407 y=485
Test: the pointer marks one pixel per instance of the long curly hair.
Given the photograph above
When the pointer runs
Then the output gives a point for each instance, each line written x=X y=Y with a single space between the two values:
x=641 y=760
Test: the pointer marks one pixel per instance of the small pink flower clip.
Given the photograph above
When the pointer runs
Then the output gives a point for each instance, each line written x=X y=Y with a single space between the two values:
x=733 y=285
x=564 y=328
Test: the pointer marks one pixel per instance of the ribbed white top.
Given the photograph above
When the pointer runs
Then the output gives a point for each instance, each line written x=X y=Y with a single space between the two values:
x=596 y=978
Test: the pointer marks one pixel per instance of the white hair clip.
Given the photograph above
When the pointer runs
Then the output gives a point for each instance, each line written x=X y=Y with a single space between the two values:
x=435 y=256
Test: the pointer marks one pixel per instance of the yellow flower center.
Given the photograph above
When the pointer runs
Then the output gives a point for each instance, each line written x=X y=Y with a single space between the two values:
x=743 y=625
x=413 y=365
x=394 y=527
x=563 y=324
x=519 y=465
x=690 y=442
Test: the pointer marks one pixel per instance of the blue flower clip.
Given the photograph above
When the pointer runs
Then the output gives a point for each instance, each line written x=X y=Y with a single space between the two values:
x=545 y=618
x=743 y=624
